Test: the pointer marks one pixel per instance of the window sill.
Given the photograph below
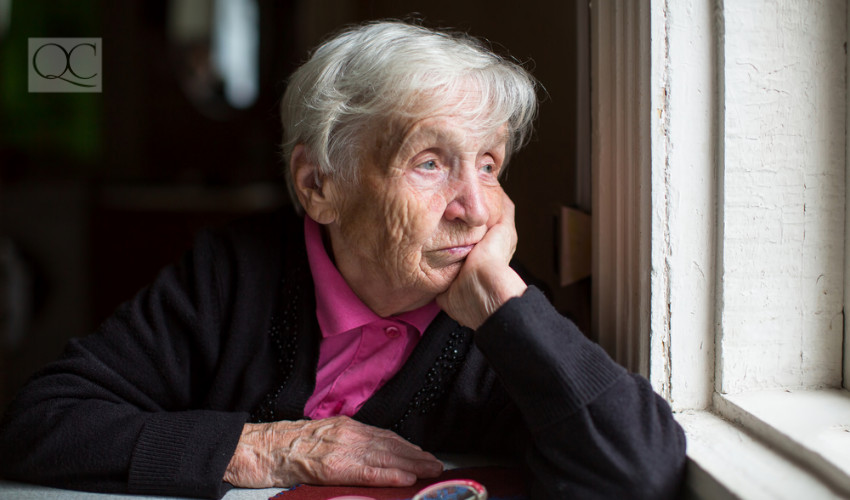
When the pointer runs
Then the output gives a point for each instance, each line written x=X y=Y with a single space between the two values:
x=813 y=426
x=727 y=462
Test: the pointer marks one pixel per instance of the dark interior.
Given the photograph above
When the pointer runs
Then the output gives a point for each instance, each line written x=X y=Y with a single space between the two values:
x=98 y=191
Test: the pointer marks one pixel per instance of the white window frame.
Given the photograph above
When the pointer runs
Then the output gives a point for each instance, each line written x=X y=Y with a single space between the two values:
x=658 y=144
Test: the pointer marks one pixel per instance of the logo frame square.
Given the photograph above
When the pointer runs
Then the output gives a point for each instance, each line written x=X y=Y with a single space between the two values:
x=65 y=65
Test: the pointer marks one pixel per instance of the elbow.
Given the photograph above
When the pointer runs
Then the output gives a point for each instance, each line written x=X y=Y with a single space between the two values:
x=642 y=466
x=657 y=471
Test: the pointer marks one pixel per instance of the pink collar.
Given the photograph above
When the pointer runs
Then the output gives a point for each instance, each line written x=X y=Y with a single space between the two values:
x=338 y=308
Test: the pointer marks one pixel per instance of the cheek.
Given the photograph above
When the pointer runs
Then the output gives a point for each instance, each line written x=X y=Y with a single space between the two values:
x=383 y=223
x=437 y=204
x=398 y=215
x=412 y=218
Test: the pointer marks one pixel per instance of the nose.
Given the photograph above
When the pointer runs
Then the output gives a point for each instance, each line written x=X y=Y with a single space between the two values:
x=468 y=202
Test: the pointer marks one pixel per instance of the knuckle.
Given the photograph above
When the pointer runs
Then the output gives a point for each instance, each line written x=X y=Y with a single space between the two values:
x=348 y=435
x=369 y=475
x=332 y=467
x=377 y=458
x=395 y=446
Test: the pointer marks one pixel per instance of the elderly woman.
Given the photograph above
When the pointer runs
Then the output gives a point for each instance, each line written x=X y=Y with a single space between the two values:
x=336 y=346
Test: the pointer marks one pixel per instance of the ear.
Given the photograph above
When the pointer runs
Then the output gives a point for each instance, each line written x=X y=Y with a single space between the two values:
x=310 y=187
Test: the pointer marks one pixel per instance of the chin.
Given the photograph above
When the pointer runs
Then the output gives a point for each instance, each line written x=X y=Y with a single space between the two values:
x=441 y=280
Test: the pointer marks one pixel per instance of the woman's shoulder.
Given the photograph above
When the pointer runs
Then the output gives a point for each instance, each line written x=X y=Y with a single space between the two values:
x=259 y=234
x=282 y=221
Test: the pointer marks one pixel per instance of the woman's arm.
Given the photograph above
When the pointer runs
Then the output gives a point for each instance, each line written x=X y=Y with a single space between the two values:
x=157 y=400
x=596 y=430
x=122 y=410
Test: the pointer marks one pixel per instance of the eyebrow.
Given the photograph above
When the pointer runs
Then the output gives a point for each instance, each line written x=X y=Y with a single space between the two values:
x=452 y=138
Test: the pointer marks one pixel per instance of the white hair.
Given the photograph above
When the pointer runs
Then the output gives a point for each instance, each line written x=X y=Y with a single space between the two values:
x=367 y=76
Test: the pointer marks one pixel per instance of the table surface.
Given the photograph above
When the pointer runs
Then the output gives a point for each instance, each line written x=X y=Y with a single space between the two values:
x=19 y=491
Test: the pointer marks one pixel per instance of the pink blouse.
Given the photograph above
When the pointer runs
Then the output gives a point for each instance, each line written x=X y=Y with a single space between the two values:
x=359 y=350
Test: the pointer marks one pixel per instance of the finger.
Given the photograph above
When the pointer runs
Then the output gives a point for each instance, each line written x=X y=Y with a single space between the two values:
x=403 y=455
x=388 y=434
x=508 y=209
x=378 y=476
x=406 y=450
x=377 y=434
x=349 y=431
x=509 y=216
x=425 y=466
x=498 y=243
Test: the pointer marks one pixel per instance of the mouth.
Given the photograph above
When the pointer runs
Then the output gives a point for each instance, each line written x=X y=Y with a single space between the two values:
x=459 y=250
x=452 y=255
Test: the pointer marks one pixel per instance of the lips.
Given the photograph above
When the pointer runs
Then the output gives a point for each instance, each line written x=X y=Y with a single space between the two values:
x=459 y=250
x=453 y=254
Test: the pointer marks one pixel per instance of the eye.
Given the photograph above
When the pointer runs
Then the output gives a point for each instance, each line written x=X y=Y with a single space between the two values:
x=428 y=165
x=490 y=169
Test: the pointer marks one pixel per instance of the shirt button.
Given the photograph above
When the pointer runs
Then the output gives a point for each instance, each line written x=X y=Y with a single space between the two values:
x=392 y=332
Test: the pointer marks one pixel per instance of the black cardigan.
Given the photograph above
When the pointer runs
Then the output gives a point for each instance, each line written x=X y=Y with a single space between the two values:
x=155 y=400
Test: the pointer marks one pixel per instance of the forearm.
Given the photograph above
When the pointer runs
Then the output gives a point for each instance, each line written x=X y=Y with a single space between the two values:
x=596 y=430
x=548 y=366
x=108 y=446
x=120 y=410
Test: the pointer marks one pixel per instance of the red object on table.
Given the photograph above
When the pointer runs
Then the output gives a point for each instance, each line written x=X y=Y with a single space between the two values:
x=501 y=483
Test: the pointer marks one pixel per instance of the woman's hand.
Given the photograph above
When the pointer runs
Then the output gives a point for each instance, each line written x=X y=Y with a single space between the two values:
x=486 y=280
x=332 y=451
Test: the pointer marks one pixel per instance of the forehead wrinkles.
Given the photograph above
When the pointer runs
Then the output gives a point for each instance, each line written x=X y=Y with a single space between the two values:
x=447 y=132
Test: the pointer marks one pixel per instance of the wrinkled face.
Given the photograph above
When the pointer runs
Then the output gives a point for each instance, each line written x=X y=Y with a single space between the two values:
x=404 y=229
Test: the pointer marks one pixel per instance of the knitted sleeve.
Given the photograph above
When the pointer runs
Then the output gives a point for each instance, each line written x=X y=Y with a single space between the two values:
x=123 y=409
x=596 y=430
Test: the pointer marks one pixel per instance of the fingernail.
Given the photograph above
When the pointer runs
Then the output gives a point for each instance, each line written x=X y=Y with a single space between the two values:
x=433 y=469
x=409 y=478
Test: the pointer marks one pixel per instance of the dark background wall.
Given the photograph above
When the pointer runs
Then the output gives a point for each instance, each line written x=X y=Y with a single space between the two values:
x=99 y=191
